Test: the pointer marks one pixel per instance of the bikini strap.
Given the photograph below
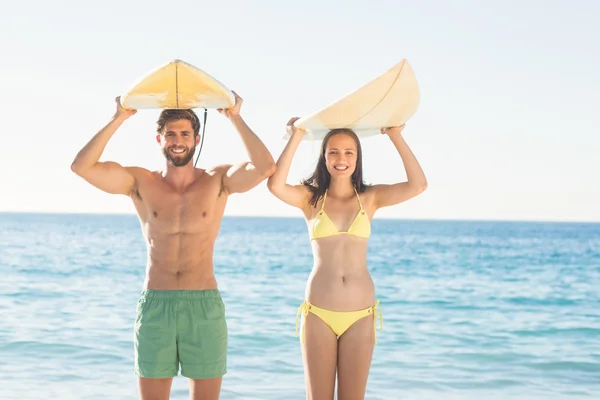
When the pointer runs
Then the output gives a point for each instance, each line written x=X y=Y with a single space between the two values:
x=376 y=307
x=323 y=202
x=358 y=197
x=302 y=311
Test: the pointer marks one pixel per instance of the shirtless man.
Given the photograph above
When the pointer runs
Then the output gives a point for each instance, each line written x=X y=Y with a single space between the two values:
x=180 y=316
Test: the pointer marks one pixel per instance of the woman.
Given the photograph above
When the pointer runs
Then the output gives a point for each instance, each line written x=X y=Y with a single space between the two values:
x=339 y=310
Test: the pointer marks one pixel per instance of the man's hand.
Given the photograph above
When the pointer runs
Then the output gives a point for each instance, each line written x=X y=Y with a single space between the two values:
x=233 y=111
x=121 y=111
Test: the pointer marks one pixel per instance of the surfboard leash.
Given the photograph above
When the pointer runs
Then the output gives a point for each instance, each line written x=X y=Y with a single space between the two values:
x=201 y=139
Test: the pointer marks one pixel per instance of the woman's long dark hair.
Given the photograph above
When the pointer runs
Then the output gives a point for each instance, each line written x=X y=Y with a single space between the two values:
x=319 y=181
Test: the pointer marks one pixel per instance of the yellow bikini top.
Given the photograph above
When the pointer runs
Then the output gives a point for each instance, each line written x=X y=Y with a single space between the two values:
x=322 y=226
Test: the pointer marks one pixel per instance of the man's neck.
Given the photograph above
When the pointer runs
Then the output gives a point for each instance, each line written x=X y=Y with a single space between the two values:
x=179 y=177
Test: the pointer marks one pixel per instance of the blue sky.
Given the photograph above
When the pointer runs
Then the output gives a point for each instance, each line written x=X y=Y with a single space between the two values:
x=505 y=127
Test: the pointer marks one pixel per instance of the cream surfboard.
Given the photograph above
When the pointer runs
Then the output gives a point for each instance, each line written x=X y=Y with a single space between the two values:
x=390 y=99
x=177 y=85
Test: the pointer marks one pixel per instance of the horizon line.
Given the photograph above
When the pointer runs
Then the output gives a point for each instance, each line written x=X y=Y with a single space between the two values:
x=386 y=218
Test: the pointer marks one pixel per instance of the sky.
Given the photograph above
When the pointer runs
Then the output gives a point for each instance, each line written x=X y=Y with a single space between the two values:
x=505 y=129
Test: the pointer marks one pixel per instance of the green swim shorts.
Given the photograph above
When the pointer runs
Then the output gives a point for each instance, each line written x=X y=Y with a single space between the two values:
x=180 y=327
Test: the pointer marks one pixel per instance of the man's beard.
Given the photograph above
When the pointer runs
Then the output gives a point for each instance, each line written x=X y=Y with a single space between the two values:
x=179 y=160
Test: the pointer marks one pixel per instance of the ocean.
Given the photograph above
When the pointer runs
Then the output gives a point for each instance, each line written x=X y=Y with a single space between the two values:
x=472 y=310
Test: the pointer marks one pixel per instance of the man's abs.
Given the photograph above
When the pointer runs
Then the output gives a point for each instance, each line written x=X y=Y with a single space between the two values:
x=180 y=262
x=180 y=229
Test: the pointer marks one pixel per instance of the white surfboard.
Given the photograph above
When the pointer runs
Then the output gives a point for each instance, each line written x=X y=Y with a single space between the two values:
x=390 y=99
x=177 y=85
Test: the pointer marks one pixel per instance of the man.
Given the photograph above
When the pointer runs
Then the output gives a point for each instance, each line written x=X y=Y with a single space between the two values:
x=180 y=316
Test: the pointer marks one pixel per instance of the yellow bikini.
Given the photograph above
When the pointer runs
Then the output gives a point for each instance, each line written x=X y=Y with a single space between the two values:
x=322 y=226
x=339 y=321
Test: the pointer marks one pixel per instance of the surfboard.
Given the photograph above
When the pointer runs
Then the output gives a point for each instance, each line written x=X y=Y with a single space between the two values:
x=390 y=99
x=177 y=85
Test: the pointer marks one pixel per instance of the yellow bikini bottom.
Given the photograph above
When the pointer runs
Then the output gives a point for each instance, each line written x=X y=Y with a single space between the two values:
x=339 y=321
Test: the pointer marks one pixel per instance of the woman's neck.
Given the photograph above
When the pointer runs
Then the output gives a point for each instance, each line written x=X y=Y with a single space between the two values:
x=340 y=188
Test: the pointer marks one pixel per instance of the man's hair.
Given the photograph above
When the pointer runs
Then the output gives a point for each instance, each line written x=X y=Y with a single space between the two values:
x=174 y=115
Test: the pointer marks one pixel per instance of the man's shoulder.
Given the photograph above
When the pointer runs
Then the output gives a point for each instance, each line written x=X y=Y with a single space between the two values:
x=220 y=169
x=138 y=171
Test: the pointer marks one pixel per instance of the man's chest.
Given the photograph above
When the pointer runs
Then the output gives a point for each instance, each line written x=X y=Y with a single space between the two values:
x=199 y=203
